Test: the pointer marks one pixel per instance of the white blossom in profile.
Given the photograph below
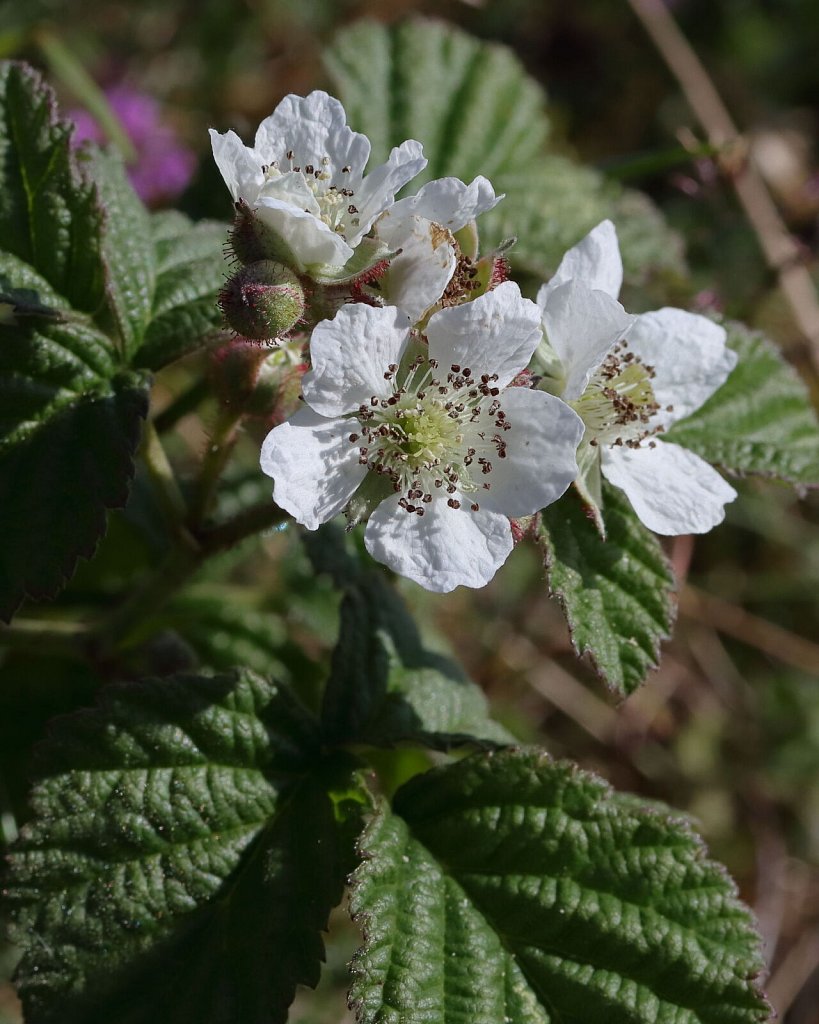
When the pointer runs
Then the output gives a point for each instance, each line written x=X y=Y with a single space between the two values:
x=629 y=378
x=304 y=178
x=421 y=229
x=427 y=434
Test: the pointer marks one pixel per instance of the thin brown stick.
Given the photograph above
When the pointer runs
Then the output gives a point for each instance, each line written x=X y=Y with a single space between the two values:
x=780 y=249
x=731 y=620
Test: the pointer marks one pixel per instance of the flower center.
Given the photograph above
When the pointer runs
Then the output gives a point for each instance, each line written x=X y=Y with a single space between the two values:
x=336 y=208
x=435 y=434
x=619 y=402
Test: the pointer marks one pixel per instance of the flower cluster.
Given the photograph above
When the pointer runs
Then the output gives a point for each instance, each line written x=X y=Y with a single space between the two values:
x=441 y=406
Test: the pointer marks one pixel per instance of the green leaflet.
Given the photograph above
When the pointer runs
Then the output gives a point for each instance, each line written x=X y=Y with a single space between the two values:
x=509 y=887
x=128 y=255
x=476 y=111
x=617 y=594
x=761 y=420
x=190 y=271
x=71 y=412
x=50 y=216
x=187 y=846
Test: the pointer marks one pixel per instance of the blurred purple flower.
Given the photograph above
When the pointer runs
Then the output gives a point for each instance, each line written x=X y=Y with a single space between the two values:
x=164 y=166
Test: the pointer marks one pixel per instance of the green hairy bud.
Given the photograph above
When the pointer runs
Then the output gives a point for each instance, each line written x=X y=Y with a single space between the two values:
x=262 y=301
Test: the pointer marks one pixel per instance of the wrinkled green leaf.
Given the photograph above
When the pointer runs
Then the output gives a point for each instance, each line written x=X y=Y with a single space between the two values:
x=476 y=111
x=50 y=216
x=509 y=887
x=191 y=270
x=386 y=687
x=69 y=427
x=761 y=420
x=617 y=594
x=184 y=855
x=130 y=272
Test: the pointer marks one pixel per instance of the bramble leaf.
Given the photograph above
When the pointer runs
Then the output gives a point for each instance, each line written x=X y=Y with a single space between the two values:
x=190 y=271
x=617 y=594
x=187 y=846
x=511 y=887
x=477 y=111
x=761 y=421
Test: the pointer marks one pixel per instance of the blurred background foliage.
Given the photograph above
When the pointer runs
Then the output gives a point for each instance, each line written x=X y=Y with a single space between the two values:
x=728 y=728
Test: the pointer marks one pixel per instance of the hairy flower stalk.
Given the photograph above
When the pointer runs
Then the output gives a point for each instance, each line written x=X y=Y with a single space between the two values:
x=424 y=436
x=629 y=378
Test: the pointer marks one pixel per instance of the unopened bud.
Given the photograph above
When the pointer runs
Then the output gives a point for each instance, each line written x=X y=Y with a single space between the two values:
x=257 y=381
x=263 y=301
x=252 y=240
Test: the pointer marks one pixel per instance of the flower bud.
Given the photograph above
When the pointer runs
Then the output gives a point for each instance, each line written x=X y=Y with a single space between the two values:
x=256 y=381
x=263 y=301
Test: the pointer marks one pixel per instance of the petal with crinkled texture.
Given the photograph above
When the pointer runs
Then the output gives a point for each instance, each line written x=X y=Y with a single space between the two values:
x=595 y=261
x=418 y=276
x=238 y=164
x=443 y=549
x=351 y=354
x=689 y=357
x=291 y=188
x=539 y=463
x=377 y=191
x=313 y=127
x=495 y=334
x=582 y=325
x=671 y=489
x=309 y=239
x=314 y=466
x=448 y=201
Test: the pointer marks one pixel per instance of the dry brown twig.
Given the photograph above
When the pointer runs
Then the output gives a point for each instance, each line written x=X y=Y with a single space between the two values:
x=781 y=250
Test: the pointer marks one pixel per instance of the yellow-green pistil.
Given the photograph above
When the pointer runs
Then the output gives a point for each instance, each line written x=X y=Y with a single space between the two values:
x=619 y=401
x=435 y=433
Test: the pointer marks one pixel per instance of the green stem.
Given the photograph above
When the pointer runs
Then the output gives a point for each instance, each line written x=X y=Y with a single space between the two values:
x=224 y=438
x=244 y=524
x=185 y=402
x=164 y=479
x=45 y=636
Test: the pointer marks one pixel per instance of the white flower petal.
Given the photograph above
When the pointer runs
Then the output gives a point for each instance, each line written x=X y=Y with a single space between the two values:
x=495 y=334
x=595 y=261
x=291 y=188
x=238 y=164
x=582 y=325
x=443 y=549
x=350 y=355
x=309 y=239
x=689 y=357
x=672 y=490
x=448 y=201
x=418 y=276
x=313 y=127
x=377 y=191
x=540 y=460
x=314 y=466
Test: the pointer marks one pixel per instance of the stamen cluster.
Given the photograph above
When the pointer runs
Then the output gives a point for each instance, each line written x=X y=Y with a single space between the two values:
x=433 y=433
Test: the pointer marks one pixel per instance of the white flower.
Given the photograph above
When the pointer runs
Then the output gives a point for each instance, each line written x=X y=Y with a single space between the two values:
x=304 y=177
x=444 y=450
x=422 y=228
x=630 y=377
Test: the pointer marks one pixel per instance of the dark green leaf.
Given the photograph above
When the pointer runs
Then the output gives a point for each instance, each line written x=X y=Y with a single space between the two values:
x=191 y=269
x=509 y=887
x=385 y=686
x=127 y=249
x=50 y=215
x=761 y=420
x=617 y=593
x=476 y=111
x=182 y=859
x=68 y=433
